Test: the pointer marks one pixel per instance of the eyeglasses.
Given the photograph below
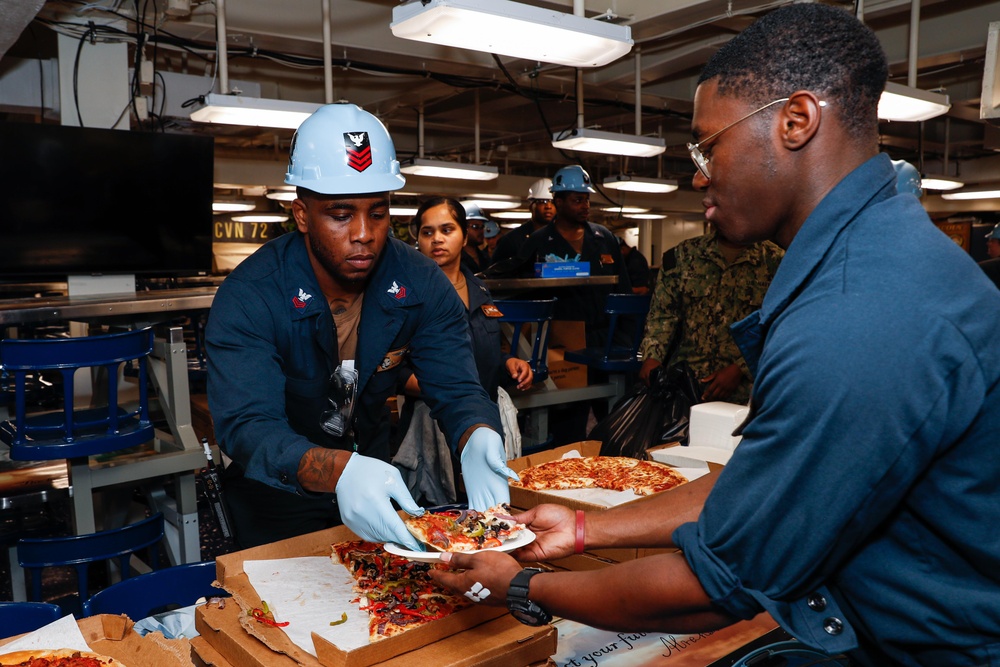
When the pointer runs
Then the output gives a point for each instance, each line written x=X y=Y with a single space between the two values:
x=475 y=225
x=342 y=391
x=699 y=158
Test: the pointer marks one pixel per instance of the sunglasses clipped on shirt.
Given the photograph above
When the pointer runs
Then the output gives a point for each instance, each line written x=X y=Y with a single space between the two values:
x=341 y=394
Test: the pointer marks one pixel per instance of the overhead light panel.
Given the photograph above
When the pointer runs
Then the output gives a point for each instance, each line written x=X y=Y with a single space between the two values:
x=609 y=143
x=232 y=206
x=253 y=111
x=512 y=29
x=906 y=103
x=261 y=217
x=624 y=209
x=974 y=193
x=640 y=184
x=930 y=182
x=281 y=194
x=645 y=216
x=440 y=169
x=512 y=215
x=403 y=211
x=491 y=204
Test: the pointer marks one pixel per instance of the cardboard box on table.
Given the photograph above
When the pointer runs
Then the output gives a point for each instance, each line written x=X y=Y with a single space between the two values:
x=566 y=335
x=524 y=499
x=113 y=636
x=474 y=636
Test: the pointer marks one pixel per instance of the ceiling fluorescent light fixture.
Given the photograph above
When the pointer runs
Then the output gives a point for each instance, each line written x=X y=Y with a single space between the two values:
x=931 y=182
x=645 y=216
x=975 y=193
x=624 y=209
x=609 y=143
x=282 y=194
x=232 y=206
x=440 y=169
x=262 y=218
x=512 y=29
x=512 y=215
x=640 y=184
x=403 y=211
x=253 y=111
x=489 y=204
x=905 y=103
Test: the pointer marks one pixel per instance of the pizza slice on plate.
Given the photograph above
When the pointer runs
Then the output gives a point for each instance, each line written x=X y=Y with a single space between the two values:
x=465 y=530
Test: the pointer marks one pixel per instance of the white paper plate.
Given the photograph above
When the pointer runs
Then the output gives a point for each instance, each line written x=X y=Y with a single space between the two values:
x=523 y=538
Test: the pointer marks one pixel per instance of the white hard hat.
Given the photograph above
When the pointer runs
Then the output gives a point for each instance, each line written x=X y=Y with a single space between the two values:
x=540 y=189
x=342 y=149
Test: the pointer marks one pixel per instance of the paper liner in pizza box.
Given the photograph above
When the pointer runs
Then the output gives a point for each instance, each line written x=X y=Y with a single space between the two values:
x=113 y=636
x=295 y=560
x=498 y=643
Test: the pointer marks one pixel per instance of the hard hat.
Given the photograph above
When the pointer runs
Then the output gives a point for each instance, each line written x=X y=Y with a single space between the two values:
x=540 y=189
x=473 y=212
x=907 y=178
x=490 y=229
x=341 y=150
x=995 y=232
x=571 y=179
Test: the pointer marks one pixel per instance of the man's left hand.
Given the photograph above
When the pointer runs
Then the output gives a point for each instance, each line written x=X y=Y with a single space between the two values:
x=473 y=575
x=484 y=467
x=722 y=383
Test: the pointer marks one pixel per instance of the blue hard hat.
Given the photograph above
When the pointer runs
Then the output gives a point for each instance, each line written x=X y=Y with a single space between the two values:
x=573 y=178
x=995 y=232
x=473 y=212
x=490 y=229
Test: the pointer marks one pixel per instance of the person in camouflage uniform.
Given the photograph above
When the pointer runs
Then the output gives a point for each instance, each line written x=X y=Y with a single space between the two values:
x=706 y=284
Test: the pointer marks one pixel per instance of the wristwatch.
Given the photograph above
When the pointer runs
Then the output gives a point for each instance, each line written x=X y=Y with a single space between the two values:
x=518 y=603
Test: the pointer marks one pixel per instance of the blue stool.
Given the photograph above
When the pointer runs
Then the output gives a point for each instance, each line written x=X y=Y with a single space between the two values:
x=156 y=592
x=79 y=551
x=521 y=313
x=16 y=618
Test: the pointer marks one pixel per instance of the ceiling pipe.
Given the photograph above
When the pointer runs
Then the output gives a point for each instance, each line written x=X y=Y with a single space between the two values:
x=476 y=113
x=911 y=75
x=221 y=55
x=327 y=54
x=420 y=131
x=638 y=91
x=578 y=10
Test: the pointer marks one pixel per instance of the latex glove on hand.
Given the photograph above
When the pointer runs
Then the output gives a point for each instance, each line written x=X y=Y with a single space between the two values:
x=484 y=467
x=363 y=494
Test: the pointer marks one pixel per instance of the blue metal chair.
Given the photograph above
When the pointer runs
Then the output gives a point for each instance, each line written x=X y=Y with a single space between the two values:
x=79 y=551
x=72 y=433
x=19 y=617
x=520 y=313
x=611 y=357
x=156 y=592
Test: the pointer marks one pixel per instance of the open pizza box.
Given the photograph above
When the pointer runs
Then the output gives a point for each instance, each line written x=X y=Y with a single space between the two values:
x=249 y=642
x=113 y=636
x=590 y=500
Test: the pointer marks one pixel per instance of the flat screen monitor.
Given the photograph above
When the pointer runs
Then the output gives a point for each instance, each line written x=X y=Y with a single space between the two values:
x=98 y=202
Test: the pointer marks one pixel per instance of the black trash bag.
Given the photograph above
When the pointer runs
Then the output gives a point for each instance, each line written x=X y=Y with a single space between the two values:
x=649 y=416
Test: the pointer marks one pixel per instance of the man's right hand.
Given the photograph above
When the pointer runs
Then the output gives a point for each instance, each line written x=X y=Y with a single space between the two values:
x=647 y=367
x=554 y=527
x=363 y=494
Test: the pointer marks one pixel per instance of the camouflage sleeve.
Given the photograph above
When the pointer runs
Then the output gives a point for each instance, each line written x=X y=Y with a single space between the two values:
x=664 y=310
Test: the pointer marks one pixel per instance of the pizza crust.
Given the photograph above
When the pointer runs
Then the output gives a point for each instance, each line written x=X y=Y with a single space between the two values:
x=70 y=657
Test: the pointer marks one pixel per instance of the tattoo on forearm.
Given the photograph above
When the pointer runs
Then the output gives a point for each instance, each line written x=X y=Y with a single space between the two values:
x=317 y=470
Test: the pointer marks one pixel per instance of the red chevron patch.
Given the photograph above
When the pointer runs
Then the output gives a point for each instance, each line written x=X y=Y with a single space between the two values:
x=359 y=150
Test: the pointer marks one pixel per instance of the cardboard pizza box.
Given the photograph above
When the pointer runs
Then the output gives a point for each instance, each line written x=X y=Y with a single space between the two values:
x=497 y=643
x=113 y=636
x=268 y=641
x=204 y=654
x=525 y=499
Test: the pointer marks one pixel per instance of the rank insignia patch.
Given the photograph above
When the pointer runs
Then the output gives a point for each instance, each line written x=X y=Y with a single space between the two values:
x=359 y=150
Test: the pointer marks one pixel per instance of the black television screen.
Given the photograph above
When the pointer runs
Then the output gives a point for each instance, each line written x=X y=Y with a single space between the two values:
x=94 y=201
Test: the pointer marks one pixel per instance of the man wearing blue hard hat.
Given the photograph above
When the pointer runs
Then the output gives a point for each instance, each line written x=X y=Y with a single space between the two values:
x=305 y=341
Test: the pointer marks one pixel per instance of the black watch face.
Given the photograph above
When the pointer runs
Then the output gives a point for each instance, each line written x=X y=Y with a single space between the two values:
x=526 y=617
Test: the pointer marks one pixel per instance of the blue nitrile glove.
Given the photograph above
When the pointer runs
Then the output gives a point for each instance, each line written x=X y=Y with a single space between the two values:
x=363 y=493
x=484 y=467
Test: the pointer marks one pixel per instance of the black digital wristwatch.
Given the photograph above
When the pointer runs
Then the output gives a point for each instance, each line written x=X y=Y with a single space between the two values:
x=518 y=603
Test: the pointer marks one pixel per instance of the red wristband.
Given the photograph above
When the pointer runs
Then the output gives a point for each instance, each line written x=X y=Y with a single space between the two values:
x=579 y=532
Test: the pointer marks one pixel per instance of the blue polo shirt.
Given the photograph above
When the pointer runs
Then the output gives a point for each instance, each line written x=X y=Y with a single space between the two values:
x=861 y=508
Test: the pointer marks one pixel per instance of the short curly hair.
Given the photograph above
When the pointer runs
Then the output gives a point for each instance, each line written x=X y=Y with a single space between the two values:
x=814 y=47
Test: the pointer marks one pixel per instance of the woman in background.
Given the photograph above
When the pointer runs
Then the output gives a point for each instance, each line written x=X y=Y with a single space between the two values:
x=441 y=235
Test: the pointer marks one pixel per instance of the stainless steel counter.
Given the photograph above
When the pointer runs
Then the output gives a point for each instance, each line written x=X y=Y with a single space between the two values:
x=53 y=309
x=497 y=285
